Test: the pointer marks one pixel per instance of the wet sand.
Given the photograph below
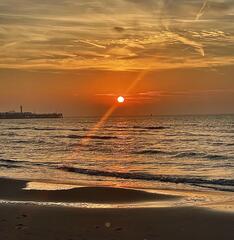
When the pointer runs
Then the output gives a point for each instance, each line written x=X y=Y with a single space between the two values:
x=29 y=222
x=15 y=190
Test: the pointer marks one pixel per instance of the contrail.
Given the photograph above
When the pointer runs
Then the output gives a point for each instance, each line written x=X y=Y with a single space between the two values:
x=7 y=45
x=91 y=43
x=197 y=46
x=202 y=10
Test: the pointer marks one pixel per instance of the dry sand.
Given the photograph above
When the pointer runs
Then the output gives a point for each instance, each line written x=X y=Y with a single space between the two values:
x=29 y=222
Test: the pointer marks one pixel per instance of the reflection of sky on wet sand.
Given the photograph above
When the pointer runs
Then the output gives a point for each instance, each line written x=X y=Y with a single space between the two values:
x=48 y=186
x=196 y=198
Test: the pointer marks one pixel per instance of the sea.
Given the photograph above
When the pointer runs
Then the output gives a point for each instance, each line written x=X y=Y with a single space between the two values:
x=153 y=152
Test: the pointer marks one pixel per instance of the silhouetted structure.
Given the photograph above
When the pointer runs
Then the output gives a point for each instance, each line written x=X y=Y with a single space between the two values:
x=28 y=115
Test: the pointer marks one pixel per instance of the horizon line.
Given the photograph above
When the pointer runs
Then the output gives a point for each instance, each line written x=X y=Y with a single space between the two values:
x=151 y=115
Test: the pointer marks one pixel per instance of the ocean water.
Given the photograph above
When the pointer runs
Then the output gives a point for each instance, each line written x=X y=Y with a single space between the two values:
x=141 y=152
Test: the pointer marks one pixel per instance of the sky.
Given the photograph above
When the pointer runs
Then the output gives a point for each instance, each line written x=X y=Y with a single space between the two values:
x=77 y=57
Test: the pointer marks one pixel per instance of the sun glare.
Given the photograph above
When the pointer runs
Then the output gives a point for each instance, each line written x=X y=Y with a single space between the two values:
x=120 y=99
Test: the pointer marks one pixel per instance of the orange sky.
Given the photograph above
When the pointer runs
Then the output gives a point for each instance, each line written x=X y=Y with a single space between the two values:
x=76 y=57
x=92 y=93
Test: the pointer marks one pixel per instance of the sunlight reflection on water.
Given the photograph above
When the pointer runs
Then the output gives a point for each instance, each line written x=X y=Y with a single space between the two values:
x=148 y=152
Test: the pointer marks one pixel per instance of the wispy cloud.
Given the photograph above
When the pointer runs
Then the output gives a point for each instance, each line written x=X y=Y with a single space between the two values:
x=116 y=35
x=91 y=43
x=202 y=10
x=196 y=45
x=157 y=95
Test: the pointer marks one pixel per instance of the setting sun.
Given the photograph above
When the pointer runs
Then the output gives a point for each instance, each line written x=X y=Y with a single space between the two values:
x=120 y=99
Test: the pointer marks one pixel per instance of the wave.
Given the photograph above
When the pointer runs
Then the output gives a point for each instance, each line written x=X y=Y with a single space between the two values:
x=218 y=143
x=48 y=129
x=19 y=128
x=150 y=127
x=216 y=156
x=150 y=151
x=189 y=154
x=7 y=161
x=85 y=129
x=21 y=141
x=20 y=163
x=9 y=134
x=230 y=144
x=183 y=154
x=201 y=155
x=29 y=141
x=91 y=137
x=8 y=166
x=149 y=177
x=61 y=129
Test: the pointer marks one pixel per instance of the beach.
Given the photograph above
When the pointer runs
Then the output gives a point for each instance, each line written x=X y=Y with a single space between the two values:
x=24 y=217
x=116 y=120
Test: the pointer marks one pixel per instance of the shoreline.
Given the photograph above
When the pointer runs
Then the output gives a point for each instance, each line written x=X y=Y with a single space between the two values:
x=70 y=194
x=28 y=221
x=16 y=190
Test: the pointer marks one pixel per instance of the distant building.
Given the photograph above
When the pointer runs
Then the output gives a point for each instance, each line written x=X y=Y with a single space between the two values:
x=28 y=115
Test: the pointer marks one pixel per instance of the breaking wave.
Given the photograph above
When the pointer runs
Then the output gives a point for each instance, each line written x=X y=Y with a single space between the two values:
x=149 y=177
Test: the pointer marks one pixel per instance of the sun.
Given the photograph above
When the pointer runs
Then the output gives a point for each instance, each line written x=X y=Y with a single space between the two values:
x=120 y=99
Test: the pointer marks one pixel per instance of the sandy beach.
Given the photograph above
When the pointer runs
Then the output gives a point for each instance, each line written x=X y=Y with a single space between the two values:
x=26 y=221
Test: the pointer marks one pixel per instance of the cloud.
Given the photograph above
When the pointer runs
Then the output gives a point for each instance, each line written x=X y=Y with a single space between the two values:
x=202 y=10
x=119 y=29
x=160 y=95
x=91 y=43
x=197 y=46
x=121 y=34
x=189 y=93
x=121 y=52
